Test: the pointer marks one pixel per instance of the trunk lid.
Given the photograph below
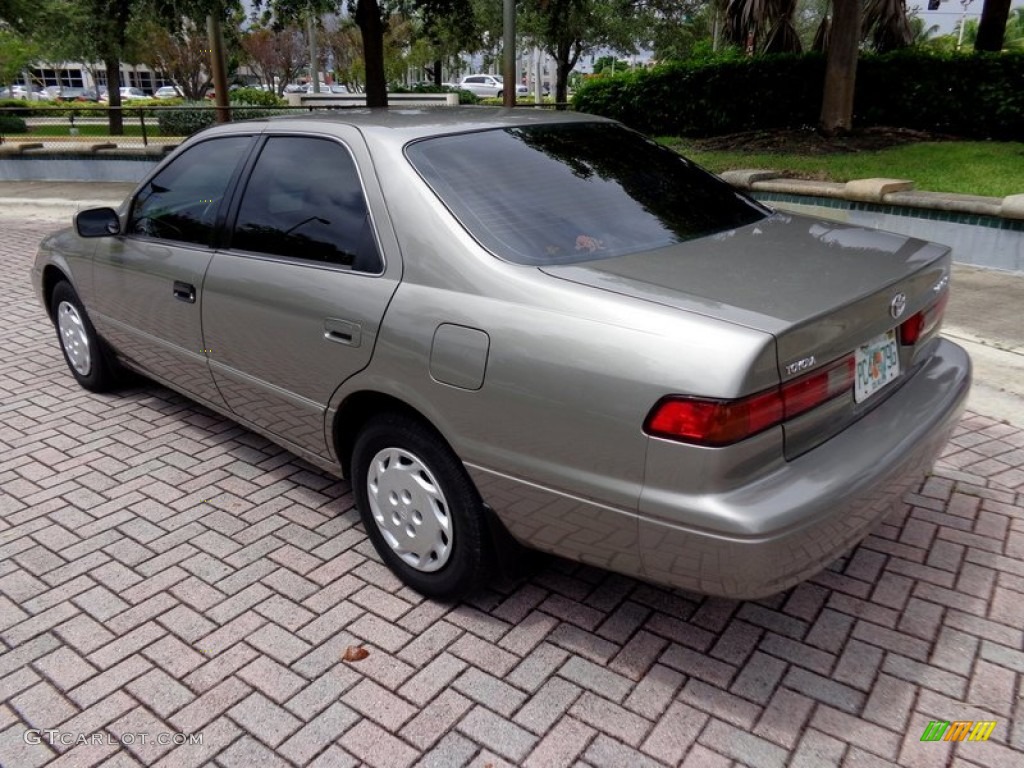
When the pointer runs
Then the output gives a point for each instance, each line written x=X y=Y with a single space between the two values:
x=822 y=288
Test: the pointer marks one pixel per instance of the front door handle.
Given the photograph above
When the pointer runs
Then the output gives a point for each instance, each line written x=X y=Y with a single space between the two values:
x=184 y=292
x=342 y=331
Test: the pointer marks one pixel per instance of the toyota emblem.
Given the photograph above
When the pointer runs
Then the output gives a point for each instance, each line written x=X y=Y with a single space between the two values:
x=898 y=305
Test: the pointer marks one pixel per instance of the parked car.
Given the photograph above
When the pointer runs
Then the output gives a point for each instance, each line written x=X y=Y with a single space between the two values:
x=127 y=93
x=167 y=92
x=70 y=93
x=488 y=86
x=29 y=93
x=596 y=347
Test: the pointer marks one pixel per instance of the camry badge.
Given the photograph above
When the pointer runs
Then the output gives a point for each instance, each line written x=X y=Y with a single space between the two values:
x=898 y=305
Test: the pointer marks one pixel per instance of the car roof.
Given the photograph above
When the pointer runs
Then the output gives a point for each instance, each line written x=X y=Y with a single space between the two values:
x=408 y=124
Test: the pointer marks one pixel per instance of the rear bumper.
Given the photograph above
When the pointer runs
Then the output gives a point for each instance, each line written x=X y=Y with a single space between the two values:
x=763 y=537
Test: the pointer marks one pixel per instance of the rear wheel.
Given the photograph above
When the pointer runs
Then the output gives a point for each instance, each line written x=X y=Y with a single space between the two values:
x=419 y=507
x=89 y=359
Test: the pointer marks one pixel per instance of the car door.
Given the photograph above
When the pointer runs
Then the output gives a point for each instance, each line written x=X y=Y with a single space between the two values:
x=292 y=308
x=147 y=283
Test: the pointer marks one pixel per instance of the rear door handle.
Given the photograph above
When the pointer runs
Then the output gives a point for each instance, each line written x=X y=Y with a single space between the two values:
x=184 y=292
x=342 y=331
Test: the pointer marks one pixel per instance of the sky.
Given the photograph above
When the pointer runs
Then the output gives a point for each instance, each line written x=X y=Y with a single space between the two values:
x=950 y=11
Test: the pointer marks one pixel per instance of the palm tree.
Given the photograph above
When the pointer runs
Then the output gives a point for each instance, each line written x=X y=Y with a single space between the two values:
x=886 y=25
x=920 y=34
x=782 y=36
x=764 y=26
x=1013 y=40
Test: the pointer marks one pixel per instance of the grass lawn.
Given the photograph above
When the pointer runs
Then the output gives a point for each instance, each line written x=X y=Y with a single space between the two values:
x=64 y=129
x=968 y=167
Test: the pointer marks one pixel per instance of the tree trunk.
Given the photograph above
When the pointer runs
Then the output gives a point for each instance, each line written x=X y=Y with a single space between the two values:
x=992 y=28
x=372 y=29
x=115 y=118
x=841 y=68
x=437 y=72
x=562 y=69
x=215 y=37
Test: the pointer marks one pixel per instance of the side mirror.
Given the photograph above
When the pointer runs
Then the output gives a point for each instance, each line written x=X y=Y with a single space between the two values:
x=97 y=222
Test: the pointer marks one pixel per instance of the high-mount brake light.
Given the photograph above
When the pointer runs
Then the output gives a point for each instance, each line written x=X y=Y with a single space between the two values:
x=715 y=423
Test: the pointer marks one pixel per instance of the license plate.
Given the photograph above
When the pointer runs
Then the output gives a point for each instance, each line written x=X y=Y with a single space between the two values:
x=878 y=363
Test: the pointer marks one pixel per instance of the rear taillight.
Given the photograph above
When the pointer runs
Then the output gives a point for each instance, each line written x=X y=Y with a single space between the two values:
x=723 y=422
x=924 y=322
x=714 y=422
x=816 y=388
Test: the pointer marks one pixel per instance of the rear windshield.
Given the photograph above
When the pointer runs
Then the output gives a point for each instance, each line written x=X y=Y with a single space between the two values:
x=559 y=194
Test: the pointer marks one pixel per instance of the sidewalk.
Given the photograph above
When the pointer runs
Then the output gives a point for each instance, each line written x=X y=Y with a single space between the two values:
x=985 y=315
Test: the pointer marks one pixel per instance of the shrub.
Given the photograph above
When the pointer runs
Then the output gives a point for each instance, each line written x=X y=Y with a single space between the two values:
x=980 y=95
x=465 y=97
x=192 y=117
x=256 y=97
x=195 y=116
x=14 y=107
x=12 y=124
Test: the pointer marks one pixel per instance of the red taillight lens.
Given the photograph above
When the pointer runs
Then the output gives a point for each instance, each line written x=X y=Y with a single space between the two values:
x=714 y=422
x=924 y=322
x=722 y=422
x=808 y=391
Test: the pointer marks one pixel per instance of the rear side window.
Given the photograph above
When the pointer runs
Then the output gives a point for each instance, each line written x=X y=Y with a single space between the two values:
x=571 y=192
x=305 y=201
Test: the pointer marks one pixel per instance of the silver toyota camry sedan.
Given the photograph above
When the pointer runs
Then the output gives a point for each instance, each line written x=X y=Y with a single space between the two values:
x=514 y=326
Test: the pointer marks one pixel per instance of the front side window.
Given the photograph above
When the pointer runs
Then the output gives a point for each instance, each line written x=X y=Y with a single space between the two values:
x=304 y=200
x=180 y=203
x=571 y=192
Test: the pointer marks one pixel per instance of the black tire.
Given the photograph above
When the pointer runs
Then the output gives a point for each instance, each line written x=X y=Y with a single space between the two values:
x=499 y=94
x=101 y=373
x=464 y=567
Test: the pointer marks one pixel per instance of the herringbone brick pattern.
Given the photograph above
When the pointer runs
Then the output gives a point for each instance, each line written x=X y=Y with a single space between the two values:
x=164 y=571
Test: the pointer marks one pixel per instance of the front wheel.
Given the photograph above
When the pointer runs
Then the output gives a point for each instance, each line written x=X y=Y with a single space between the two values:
x=499 y=94
x=420 y=508
x=89 y=359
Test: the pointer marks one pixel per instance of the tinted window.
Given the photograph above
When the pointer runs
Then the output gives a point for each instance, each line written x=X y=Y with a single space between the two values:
x=557 y=194
x=304 y=200
x=180 y=203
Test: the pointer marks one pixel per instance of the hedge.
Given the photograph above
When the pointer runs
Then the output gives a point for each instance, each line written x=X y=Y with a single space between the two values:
x=255 y=96
x=195 y=116
x=465 y=97
x=12 y=124
x=977 y=95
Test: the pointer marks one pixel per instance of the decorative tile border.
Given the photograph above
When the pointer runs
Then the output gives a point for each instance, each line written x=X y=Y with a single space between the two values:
x=979 y=220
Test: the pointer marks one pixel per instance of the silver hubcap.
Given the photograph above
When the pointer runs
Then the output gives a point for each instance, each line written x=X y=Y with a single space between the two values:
x=74 y=338
x=410 y=509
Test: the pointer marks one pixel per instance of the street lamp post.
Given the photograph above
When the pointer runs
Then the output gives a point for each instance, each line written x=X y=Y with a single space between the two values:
x=963 y=23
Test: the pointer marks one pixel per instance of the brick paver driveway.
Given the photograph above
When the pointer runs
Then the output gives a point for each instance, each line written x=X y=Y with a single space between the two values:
x=164 y=571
